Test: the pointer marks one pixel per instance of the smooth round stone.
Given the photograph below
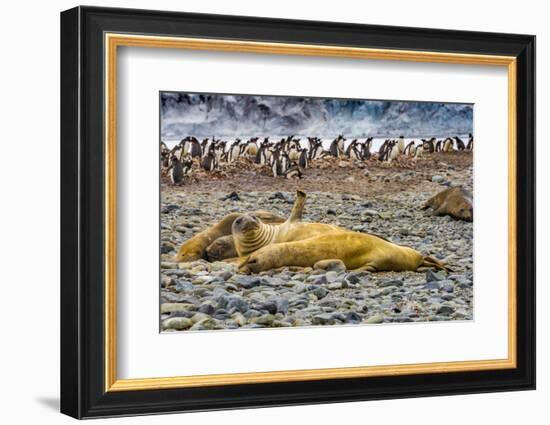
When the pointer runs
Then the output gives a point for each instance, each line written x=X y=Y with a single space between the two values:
x=166 y=281
x=252 y=313
x=178 y=323
x=266 y=320
x=198 y=317
x=323 y=319
x=270 y=306
x=208 y=307
x=378 y=318
x=386 y=283
x=335 y=285
x=352 y=317
x=445 y=310
x=239 y=319
x=173 y=307
x=207 y=324
x=320 y=292
x=248 y=281
x=280 y=324
x=217 y=266
x=233 y=303
x=202 y=280
x=331 y=276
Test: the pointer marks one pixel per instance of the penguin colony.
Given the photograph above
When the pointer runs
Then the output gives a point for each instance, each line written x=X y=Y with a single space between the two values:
x=287 y=157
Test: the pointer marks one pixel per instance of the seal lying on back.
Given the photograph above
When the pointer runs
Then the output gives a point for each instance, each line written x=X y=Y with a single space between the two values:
x=251 y=234
x=196 y=247
x=358 y=251
x=455 y=201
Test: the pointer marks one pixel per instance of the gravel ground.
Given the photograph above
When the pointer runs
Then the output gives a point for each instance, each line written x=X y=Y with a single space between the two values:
x=364 y=197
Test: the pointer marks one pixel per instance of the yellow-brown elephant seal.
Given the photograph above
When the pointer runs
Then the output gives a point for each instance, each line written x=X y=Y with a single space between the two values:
x=195 y=248
x=221 y=249
x=455 y=201
x=250 y=233
x=358 y=251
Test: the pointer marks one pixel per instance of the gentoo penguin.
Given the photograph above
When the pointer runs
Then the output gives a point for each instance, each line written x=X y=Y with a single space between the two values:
x=470 y=145
x=209 y=162
x=293 y=172
x=418 y=151
x=176 y=170
x=383 y=150
x=334 y=151
x=303 y=160
x=448 y=145
x=315 y=150
x=192 y=146
x=355 y=152
x=279 y=162
x=393 y=151
x=219 y=151
x=409 y=149
x=294 y=150
x=438 y=146
x=428 y=145
x=350 y=147
x=234 y=151
x=261 y=155
x=401 y=144
x=365 y=149
x=187 y=165
x=459 y=144
x=164 y=155
x=311 y=142
x=204 y=144
x=242 y=148
x=252 y=147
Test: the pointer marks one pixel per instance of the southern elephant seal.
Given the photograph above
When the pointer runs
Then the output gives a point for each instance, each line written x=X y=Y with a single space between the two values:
x=455 y=201
x=221 y=249
x=250 y=233
x=195 y=248
x=358 y=251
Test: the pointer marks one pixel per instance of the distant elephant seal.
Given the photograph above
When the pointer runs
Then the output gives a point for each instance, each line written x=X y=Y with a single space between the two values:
x=250 y=233
x=455 y=201
x=195 y=248
x=358 y=251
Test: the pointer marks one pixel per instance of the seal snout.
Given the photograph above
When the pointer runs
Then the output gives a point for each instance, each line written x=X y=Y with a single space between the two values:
x=246 y=223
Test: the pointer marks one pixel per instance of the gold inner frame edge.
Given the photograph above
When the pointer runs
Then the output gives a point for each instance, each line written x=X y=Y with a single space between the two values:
x=112 y=41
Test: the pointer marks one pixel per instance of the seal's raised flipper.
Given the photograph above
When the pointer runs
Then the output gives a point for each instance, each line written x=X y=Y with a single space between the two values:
x=432 y=262
x=298 y=208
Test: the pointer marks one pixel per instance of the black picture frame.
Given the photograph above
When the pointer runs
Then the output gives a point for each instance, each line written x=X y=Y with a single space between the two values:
x=82 y=219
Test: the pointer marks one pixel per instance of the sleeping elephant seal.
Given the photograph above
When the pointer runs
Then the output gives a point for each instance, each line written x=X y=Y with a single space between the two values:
x=195 y=248
x=455 y=201
x=221 y=249
x=250 y=233
x=358 y=251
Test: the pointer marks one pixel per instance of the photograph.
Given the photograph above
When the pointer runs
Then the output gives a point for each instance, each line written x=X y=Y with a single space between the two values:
x=239 y=190
x=288 y=211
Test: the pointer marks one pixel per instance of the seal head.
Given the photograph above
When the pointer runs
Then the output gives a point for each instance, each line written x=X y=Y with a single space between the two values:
x=250 y=234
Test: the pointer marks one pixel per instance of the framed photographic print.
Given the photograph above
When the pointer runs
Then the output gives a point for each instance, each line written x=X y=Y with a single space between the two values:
x=261 y=212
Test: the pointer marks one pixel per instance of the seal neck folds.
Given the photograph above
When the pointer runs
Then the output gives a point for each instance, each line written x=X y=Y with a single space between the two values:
x=252 y=241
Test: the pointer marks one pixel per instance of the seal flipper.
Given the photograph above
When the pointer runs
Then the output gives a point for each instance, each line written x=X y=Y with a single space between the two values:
x=366 y=268
x=298 y=208
x=432 y=262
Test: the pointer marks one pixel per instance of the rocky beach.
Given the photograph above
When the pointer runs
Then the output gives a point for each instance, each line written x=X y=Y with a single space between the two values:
x=363 y=196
